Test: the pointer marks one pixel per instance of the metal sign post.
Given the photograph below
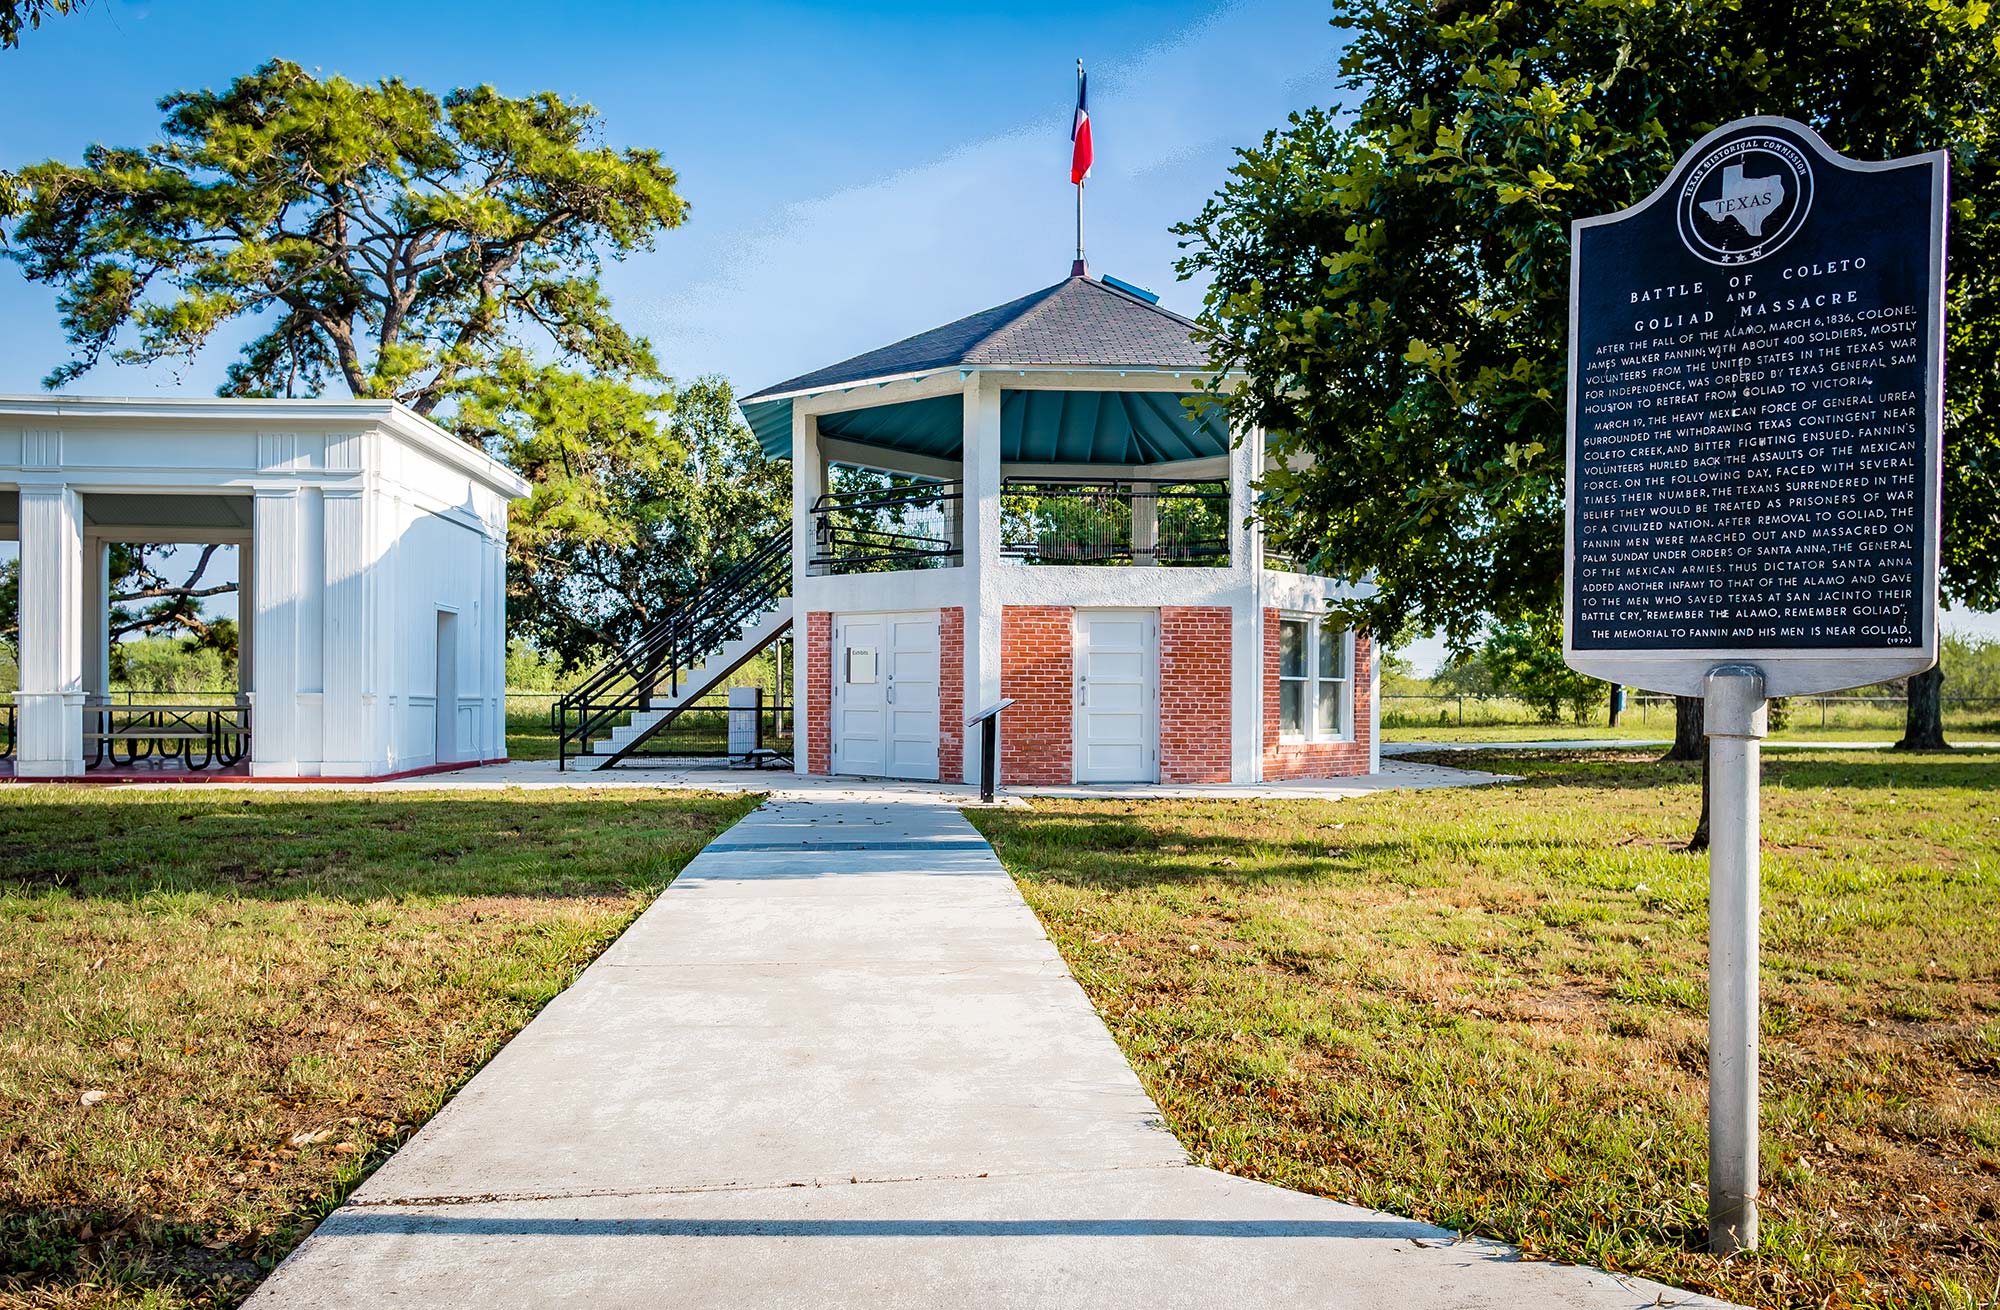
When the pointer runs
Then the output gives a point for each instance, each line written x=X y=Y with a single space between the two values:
x=1735 y=719
x=1755 y=419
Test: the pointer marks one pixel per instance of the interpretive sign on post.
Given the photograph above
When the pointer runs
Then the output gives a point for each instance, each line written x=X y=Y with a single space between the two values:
x=1755 y=416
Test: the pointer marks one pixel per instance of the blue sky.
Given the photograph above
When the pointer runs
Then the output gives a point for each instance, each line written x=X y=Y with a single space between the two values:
x=856 y=172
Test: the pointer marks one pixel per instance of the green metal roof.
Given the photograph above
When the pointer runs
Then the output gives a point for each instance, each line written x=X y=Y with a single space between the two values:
x=1036 y=427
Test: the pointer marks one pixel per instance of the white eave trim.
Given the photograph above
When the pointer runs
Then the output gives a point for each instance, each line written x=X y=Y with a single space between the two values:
x=1193 y=375
x=393 y=416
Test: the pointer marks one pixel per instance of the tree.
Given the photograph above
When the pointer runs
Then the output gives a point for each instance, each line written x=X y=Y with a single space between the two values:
x=1392 y=284
x=1525 y=660
x=444 y=253
x=16 y=13
x=587 y=575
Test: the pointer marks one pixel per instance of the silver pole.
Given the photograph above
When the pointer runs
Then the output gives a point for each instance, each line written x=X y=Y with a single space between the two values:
x=1079 y=223
x=1735 y=720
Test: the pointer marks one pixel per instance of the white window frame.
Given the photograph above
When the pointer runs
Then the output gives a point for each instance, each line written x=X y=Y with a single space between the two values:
x=1316 y=635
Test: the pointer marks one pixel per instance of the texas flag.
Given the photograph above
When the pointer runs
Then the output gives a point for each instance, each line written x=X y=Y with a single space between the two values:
x=1079 y=135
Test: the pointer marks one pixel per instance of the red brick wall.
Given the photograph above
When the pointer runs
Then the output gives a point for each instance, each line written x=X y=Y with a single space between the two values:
x=1195 y=685
x=1315 y=759
x=951 y=694
x=819 y=692
x=1036 y=653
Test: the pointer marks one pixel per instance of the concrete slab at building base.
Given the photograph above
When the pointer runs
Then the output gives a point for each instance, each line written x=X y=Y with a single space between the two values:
x=839 y=1064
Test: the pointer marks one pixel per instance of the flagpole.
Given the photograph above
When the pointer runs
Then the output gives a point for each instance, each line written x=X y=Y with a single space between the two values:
x=1080 y=268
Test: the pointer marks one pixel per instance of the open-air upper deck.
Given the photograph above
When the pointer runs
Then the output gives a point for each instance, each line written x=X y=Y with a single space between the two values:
x=1045 y=501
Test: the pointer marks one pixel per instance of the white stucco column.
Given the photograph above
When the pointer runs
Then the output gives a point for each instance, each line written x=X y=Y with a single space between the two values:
x=96 y=618
x=246 y=618
x=493 y=639
x=808 y=482
x=346 y=726
x=275 y=685
x=981 y=523
x=49 y=717
x=1246 y=560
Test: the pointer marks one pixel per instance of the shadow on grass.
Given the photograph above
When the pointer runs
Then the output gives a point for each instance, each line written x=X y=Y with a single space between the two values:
x=352 y=846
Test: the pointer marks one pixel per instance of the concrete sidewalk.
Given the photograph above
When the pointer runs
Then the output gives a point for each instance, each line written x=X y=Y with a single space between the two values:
x=839 y=1064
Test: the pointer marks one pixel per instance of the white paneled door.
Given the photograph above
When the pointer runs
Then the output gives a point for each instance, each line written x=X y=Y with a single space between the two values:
x=885 y=695
x=1117 y=733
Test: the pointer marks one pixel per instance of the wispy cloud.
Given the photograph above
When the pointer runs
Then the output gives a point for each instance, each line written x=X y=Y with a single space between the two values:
x=836 y=274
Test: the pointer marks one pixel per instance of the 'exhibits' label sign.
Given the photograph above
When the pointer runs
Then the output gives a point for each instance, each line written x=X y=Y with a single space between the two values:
x=1755 y=385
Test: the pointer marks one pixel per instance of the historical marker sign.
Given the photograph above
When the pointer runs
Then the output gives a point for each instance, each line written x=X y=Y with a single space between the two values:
x=1756 y=380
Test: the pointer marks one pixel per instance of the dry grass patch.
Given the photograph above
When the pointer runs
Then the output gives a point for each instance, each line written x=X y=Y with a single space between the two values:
x=219 y=1011
x=1486 y=1008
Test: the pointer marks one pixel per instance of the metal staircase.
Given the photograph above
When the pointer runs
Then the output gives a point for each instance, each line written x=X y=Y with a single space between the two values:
x=647 y=685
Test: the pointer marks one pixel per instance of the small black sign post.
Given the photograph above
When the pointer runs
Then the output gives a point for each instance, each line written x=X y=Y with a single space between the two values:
x=1755 y=411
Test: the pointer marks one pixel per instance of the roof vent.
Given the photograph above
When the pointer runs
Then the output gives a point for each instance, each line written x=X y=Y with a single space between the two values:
x=1150 y=297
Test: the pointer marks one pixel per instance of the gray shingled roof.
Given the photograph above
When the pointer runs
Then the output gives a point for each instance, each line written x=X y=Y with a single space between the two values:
x=1079 y=322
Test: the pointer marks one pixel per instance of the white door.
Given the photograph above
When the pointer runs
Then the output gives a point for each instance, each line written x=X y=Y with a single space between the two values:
x=885 y=695
x=1117 y=739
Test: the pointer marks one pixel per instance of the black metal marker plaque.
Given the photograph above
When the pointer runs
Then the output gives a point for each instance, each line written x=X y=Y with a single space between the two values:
x=1755 y=385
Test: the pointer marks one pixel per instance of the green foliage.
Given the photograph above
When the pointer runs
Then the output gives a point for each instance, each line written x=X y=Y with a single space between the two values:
x=157 y=664
x=442 y=252
x=679 y=492
x=1971 y=666
x=532 y=669
x=14 y=14
x=1524 y=658
x=386 y=237
x=1393 y=282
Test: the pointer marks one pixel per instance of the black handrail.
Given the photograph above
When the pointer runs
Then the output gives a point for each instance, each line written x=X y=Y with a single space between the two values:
x=665 y=652
x=872 y=531
x=1090 y=521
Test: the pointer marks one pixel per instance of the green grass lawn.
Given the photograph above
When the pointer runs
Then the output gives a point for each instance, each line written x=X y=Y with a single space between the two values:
x=1485 y=1008
x=219 y=1010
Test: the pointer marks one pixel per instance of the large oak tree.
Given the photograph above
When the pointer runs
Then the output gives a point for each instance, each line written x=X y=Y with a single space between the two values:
x=1393 y=278
x=381 y=241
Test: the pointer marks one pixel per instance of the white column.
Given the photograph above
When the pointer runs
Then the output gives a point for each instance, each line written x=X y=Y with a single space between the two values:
x=981 y=523
x=246 y=618
x=493 y=644
x=274 y=710
x=1145 y=529
x=1246 y=565
x=808 y=481
x=344 y=638
x=96 y=618
x=49 y=720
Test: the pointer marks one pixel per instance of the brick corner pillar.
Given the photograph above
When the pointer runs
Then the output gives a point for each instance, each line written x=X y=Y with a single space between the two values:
x=1195 y=693
x=819 y=692
x=951 y=694
x=1037 y=657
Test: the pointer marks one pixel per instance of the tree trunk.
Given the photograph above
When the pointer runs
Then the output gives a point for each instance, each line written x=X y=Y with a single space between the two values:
x=1689 y=744
x=1699 y=842
x=1923 y=725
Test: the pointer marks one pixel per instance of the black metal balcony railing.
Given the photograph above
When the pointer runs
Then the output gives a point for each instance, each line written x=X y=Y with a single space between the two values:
x=884 y=529
x=1115 y=522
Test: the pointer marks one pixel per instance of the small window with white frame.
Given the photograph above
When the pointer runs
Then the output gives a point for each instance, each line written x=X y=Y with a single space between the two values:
x=1315 y=680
